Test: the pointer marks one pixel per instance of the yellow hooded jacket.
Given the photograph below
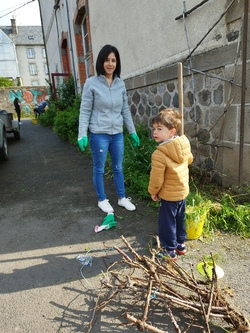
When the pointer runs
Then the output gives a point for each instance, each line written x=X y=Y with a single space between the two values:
x=169 y=176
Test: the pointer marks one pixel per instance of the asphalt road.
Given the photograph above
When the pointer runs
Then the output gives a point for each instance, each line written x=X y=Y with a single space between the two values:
x=48 y=211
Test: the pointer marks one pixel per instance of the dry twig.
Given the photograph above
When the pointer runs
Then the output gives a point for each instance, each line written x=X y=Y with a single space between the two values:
x=149 y=281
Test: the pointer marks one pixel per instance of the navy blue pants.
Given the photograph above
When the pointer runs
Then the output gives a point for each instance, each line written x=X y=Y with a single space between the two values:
x=171 y=223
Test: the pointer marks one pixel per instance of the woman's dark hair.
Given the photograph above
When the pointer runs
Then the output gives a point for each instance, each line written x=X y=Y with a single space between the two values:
x=103 y=55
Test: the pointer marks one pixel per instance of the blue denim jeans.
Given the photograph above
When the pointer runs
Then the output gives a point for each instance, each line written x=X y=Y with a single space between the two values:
x=171 y=223
x=100 y=145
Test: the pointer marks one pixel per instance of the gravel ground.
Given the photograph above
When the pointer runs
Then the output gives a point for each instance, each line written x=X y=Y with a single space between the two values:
x=48 y=211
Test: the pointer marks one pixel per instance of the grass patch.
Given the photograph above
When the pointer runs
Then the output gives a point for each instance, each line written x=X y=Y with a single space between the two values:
x=229 y=208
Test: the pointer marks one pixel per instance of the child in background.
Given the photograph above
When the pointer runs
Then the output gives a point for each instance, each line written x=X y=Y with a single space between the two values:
x=169 y=181
x=41 y=107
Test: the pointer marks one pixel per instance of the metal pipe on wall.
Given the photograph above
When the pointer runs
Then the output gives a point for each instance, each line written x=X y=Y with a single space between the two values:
x=180 y=95
x=71 y=45
x=243 y=90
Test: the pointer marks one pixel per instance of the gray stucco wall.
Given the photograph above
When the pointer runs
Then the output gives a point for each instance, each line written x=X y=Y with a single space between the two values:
x=147 y=34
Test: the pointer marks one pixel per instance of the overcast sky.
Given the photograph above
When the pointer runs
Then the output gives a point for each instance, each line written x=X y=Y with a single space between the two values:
x=25 y=12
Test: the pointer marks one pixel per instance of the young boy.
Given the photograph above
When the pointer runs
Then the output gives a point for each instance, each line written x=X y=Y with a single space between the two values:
x=169 y=181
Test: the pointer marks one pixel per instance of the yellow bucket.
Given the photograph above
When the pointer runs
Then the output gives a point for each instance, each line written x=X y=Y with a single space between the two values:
x=194 y=223
x=34 y=121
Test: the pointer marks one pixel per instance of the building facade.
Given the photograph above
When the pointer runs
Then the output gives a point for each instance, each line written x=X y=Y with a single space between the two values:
x=29 y=66
x=208 y=38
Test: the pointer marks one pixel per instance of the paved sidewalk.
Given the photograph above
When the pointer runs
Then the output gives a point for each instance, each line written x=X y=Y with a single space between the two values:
x=48 y=211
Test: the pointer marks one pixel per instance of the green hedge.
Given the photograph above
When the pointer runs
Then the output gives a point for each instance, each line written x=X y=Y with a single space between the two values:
x=226 y=213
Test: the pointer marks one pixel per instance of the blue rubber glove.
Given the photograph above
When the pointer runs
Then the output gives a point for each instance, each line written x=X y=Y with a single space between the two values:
x=83 y=142
x=135 y=140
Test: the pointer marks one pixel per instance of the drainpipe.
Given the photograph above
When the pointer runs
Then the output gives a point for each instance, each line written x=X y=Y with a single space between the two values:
x=70 y=44
x=243 y=90
x=44 y=42
x=56 y=7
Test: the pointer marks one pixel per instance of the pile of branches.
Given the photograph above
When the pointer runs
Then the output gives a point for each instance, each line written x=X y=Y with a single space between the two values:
x=149 y=280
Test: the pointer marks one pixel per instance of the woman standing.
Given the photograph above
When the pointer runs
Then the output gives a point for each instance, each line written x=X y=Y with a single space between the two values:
x=104 y=110
x=17 y=109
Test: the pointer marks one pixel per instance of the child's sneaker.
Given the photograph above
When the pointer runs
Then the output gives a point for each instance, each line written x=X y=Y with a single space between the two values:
x=166 y=254
x=181 y=249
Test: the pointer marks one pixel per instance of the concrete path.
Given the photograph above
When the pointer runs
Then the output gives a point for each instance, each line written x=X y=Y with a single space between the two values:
x=48 y=210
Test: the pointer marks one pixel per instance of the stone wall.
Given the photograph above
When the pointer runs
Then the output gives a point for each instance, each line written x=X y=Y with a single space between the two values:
x=212 y=108
x=29 y=97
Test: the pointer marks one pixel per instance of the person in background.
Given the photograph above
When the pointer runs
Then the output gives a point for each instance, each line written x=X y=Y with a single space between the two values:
x=104 y=110
x=17 y=109
x=41 y=107
x=169 y=181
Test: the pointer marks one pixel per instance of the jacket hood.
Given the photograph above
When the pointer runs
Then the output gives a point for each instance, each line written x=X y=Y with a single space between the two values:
x=177 y=149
